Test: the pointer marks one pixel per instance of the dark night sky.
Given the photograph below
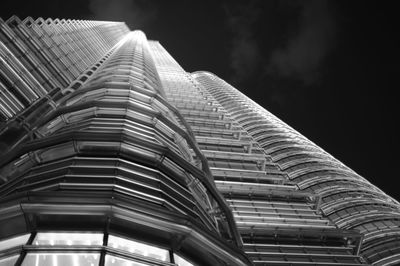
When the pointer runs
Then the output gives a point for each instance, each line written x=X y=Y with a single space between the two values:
x=329 y=69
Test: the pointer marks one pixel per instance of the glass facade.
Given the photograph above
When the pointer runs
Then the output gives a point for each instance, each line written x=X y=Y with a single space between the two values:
x=138 y=248
x=68 y=239
x=115 y=261
x=323 y=197
x=8 y=260
x=14 y=242
x=109 y=153
x=112 y=154
x=61 y=259
x=84 y=248
x=181 y=261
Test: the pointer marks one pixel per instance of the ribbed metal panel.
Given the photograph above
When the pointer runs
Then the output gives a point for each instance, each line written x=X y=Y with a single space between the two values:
x=348 y=200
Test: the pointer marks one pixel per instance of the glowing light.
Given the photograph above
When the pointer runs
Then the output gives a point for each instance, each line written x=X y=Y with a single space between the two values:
x=138 y=248
x=55 y=260
x=75 y=260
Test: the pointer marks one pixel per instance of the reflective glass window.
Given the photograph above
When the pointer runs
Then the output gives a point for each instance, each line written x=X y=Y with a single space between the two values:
x=9 y=261
x=181 y=261
x=14 y=241
x=115 y=261
x=68 y=239
x=61 y=259
x=138 y=248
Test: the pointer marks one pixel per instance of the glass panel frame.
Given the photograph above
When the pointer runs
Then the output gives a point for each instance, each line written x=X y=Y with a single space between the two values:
x=68 y=239
x=111 y=260
x=61 y=259
x=14 y=241
x=9 y=260
x=180 y=261
x=139 y=248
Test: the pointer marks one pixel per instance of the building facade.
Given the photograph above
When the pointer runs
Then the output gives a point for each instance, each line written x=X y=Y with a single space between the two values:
x=112 y=154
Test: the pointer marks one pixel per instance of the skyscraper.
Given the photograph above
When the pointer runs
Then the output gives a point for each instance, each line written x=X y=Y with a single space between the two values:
x=112 y=154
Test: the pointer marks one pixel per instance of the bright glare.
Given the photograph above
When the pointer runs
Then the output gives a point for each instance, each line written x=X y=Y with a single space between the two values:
x=138 y=248
x=85 y=239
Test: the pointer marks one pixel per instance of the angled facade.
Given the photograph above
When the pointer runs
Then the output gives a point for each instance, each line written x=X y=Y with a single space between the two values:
x=112 y=154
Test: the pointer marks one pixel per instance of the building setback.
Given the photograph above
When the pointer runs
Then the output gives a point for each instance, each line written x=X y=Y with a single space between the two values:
x=112 y=154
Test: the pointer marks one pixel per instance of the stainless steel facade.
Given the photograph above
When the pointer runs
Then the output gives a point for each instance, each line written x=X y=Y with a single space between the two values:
x=344 y=200
x=112 y=154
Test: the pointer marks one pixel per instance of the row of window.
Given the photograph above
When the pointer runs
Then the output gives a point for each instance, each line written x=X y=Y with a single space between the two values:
x=312 y=169
x=73 y=249
x=37 y=68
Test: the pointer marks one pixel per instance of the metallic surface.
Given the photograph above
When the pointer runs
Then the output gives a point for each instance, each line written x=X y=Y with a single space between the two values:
x=110 y=153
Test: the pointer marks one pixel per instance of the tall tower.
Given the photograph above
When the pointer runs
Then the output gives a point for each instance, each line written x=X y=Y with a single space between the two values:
x=345 y=204
x=112 y=154
x=97 y=167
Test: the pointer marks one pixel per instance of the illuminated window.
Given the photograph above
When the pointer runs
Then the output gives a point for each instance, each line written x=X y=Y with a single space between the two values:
x=138 y=248
x=86 y=239
x=61 y=259
x=8 y=261
x=115 y=261
x=181 y=261
x=13 y=242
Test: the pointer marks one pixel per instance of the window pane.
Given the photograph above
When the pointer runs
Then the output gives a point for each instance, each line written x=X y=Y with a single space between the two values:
x=115 y=261
x=14 y=241
x=61 y=259
x=69 y=239
x=138 y=248
x=181 y=261
x=9 y=261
